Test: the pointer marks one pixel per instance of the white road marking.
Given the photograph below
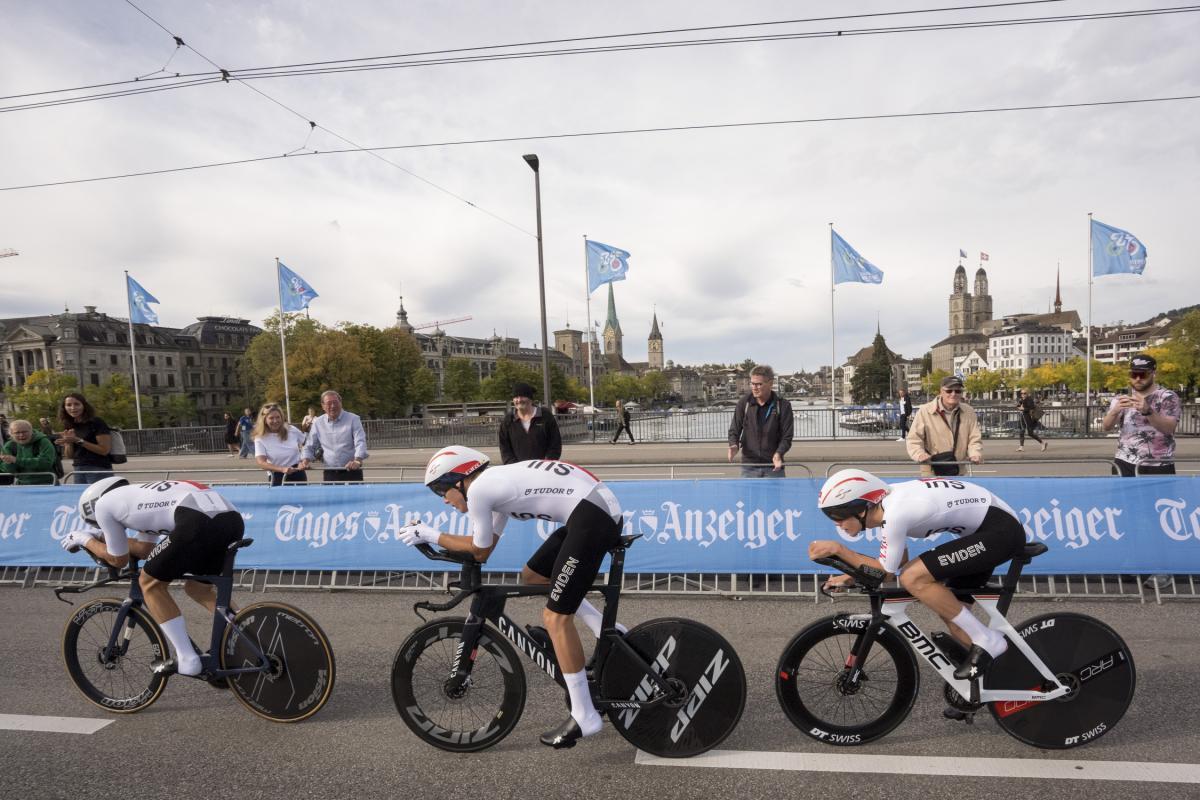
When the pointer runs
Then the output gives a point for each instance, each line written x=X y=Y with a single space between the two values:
x=28 y=722
x=1065 y=769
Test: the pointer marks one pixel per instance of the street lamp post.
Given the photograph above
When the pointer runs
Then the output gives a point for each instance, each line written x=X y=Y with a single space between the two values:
x=532 y=161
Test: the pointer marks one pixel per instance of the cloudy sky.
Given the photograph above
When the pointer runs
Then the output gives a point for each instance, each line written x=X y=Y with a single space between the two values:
x=729 y=228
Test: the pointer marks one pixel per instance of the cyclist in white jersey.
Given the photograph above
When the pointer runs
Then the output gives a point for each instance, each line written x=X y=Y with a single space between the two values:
x=179 y=527
x=986 y=534
x=568 y=560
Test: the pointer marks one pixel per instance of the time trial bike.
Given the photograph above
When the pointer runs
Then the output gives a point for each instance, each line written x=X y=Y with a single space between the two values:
x=1065 y=680
x=671 y=687
x=274 y=657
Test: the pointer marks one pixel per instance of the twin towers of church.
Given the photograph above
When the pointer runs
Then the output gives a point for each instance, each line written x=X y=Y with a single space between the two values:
x=613 y=336
x=968 y=312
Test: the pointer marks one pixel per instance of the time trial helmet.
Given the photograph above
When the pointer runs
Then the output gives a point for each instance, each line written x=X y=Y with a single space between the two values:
x=87 y=500
x=451 y=465
x=851 y=493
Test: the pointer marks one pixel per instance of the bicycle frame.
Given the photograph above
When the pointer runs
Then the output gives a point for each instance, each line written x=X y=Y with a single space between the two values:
x=488 y=604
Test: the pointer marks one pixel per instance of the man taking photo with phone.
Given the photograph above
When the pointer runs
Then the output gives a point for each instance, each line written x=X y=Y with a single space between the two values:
x=1147 y=417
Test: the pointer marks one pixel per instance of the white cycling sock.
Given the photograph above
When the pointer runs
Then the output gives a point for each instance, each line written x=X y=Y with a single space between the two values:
x=991 y=641
x=582 y=710
x=186 y=660
x=592 y=617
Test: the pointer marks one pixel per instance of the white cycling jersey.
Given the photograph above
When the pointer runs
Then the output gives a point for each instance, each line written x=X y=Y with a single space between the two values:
x=545 y=490
x=149 y=510
x=919 y=509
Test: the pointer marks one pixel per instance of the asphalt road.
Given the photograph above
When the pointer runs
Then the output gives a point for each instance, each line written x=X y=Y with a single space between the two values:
x=197 y=742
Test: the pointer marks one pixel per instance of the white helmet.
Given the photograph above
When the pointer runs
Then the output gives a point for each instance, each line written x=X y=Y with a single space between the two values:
x=451 y=465
x=850 y=493
x=87 y=500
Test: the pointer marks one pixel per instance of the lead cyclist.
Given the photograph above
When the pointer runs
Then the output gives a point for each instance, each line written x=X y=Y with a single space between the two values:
x=985 y=533
x=569 y=559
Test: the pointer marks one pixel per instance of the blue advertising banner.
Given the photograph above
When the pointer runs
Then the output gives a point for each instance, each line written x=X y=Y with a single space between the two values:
x=1092 y=525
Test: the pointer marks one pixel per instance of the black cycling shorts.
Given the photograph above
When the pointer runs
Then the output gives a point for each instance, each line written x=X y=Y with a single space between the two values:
x=967 y=561
x=571 y=556
x=197 y=546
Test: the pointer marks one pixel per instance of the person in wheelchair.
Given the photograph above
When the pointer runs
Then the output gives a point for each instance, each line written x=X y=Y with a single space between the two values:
x=984 y=532
x=183 y=528
x=568 y=560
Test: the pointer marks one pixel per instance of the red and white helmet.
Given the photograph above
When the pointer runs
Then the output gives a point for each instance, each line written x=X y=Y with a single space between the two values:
x=851 y=492
x=452 y=464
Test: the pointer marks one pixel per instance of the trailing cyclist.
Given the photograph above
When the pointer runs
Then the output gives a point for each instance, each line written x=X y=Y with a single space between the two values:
x=182 y=527
x=985 y=533
x=568 y=560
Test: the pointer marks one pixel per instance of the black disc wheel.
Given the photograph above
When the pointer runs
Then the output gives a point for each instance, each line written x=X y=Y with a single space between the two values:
x=821 y=695
x=461 y=716
x=117 y=678
x=1084 y=654
x=699 y=664
x=299 y=674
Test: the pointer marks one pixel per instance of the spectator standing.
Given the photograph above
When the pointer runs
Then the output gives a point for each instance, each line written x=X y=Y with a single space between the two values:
x=231 y=435
x=528 y=432
x=245 y=426
x=4 y=429
x=307 y=422
x=904 y=402
x=1147 y=417
x=277 y=447
x=28 y=454
x=86 y=439
x=1029 y=409
x=339 y=435
x=622 y=423
x=945 y=430
x=761 y=428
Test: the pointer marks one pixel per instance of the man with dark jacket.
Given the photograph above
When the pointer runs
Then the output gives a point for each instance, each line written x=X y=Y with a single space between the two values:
x=528 y=432
x=762 y=427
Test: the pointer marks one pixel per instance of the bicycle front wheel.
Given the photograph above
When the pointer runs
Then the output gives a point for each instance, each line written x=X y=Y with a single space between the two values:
x=301 y=671
x=694 y=659
x=118 y=680
x=814 y=687
x=460 y=717
x=1088 y=657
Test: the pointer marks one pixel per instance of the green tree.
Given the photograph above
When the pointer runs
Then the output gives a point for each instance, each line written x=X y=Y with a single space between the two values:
x=1179 y=359
x=613 y=387
x=498 y=385
x=178 y=410
x=115 y=404
x=654 y=385
x=872 y=381
x=932 y=382
x=460 y=381
x=41 y=395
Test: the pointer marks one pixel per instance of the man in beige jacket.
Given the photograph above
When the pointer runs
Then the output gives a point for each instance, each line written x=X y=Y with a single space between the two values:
x=933 y=427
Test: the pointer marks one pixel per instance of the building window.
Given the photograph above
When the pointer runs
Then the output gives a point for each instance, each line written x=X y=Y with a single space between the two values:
x=112 y=360
x=191 y=362
x=171 y=380
x=95 y=379
x=170 y=361
x=152 y=361
x=154 y=379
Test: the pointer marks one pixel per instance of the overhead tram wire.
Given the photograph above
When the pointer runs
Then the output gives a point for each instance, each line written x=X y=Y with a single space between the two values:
x=349 y=66
x=597 y=37
x=314 y=125
x=624 y=132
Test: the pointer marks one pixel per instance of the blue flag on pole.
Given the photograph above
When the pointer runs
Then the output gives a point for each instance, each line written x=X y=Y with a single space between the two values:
x=139 y=303
x=962 y=253
x=1115 y=251
x=850 y=267
x=605 y=264
x=294 y=292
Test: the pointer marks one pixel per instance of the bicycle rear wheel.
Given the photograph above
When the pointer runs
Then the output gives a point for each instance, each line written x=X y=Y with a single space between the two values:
x=466 y=718
x=694 y=658
x=122 y=681
x=812 y=683
x=1087 y=656
x=302 y=671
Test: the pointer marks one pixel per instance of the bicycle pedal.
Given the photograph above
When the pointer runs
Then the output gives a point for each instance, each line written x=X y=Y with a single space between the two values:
x=165 y=667
x=957 y=715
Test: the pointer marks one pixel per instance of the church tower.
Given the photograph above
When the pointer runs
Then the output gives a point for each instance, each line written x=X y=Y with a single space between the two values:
x=612 y=331
x=1058 y=291
x=402 y=318
x=981 y=304
x=962 y=318
x=654 y=346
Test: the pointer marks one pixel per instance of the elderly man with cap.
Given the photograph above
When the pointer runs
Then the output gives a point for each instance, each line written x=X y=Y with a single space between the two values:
x=528 y=432
x=945 y=430
x=1147 y=416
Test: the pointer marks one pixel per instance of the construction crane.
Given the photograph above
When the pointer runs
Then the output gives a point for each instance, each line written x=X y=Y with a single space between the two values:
x=437 y=323
x=9 y=252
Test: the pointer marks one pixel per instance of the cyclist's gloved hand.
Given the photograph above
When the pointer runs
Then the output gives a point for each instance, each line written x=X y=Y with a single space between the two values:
x=419 y=533
x=74 y=542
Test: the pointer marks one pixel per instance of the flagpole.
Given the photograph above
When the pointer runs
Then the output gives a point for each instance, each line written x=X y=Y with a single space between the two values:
x=287 y=397
x=1087 y=391
x=590 y=340
x=832 y=335
x=137 y=398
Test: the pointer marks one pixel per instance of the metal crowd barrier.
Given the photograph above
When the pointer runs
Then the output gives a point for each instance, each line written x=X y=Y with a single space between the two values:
x=14 y=478
x=892 y=467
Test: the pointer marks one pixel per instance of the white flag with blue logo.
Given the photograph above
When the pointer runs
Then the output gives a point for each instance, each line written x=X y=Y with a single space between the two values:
x=294 y=292
x=1115 y=251
x=139 y=303
x=605 y=264
x=850 y=267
